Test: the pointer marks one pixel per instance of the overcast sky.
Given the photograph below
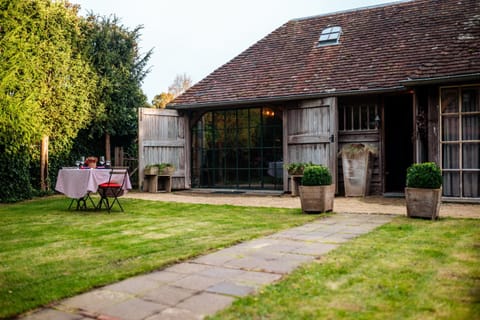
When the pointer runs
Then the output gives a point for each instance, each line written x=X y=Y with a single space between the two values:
x=198 y=36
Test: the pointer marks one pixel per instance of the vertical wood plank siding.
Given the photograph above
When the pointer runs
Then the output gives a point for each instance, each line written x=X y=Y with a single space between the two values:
x=307 y=132
x=162 y=139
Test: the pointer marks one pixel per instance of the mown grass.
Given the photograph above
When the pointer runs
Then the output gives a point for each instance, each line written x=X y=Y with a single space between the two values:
x=48 y=253
x=408 y=269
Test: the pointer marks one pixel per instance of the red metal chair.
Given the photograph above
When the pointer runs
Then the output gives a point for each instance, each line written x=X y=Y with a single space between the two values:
x=113 y=189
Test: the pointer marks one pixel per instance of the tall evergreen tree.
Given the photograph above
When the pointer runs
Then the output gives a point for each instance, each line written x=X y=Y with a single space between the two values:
x=121 y=68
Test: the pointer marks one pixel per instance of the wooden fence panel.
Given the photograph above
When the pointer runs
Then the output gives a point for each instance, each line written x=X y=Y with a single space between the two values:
x=310 y=134
x=162 y=138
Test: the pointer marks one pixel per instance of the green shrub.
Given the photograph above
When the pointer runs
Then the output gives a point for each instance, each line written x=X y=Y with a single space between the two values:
x=15 y=176
x=296 y=168
x=424 y=175
x=316 y=175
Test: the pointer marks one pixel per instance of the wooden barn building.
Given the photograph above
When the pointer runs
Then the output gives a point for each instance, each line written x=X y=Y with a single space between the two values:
x=403 y=77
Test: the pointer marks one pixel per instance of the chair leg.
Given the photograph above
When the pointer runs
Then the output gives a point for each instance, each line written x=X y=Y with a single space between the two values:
x=81 y=204
x=104 y=201
x=71 y=202
x=91 y=200
x=115 y=199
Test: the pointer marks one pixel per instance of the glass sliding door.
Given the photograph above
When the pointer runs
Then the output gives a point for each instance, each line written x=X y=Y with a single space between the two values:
x=239 y=149
x=460 y=141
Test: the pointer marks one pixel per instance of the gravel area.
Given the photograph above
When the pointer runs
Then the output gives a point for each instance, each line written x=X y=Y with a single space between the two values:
x=370 y=204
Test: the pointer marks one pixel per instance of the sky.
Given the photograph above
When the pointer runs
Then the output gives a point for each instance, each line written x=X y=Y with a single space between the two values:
x=195 y=37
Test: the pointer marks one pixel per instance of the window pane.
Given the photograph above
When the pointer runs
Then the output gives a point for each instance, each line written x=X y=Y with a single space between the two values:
x=341 y=115
x=471 y=127
x=451 y=184
x=471 y=184
x=327 y=30
x=450 y=128
x=470 y=99
x=348 y=111
x=324 y=37
x=471 y=155
x=356 y=118
x=450 y=156
x=372 y=115
x=364 y=117
x=449 y=100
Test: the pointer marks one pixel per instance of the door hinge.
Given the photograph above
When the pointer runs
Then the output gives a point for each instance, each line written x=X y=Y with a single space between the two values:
x=332 y=138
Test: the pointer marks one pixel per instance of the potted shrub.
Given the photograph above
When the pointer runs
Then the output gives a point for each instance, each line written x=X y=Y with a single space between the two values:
x=295 y=171
x=423 y=193
x=151 y=170
x=166 y=169
x=357 y=171
x=317 y=191
x=296 y=168
x=159 y=169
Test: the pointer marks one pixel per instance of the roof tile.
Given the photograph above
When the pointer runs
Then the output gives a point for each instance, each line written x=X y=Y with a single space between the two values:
x=379 y=47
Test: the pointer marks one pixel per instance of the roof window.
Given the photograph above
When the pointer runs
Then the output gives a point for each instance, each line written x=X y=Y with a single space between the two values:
x=329 y=36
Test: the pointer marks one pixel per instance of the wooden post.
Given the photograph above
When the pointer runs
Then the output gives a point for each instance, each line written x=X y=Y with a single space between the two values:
x=44 y=164
x=119 y=156
x=108 y=156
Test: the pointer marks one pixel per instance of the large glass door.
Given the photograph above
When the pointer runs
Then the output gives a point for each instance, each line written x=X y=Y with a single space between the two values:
x=460 y=141
x=240 y=149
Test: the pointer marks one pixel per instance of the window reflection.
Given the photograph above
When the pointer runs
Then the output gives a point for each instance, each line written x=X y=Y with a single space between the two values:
x=238 y=149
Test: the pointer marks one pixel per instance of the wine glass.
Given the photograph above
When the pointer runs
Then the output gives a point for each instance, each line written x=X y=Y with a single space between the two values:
x=102 y=161
x=78 y=163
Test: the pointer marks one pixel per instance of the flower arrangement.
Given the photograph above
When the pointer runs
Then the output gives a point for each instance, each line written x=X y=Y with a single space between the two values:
x=91 y=162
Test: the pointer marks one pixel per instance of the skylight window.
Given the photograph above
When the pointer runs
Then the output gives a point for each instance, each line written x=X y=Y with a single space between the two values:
x=330 y=35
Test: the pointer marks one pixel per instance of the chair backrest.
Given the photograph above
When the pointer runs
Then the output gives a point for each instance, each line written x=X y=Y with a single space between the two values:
x=118 y=176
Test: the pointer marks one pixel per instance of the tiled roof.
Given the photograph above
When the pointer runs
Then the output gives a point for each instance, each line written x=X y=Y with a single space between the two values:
x=379 y=48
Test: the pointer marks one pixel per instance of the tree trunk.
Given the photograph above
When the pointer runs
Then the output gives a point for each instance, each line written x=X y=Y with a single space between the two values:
x=44 y=164
x=108 y=156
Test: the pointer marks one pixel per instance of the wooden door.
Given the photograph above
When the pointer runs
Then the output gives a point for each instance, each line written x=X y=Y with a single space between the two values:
x=311 y=134
x=163 y=136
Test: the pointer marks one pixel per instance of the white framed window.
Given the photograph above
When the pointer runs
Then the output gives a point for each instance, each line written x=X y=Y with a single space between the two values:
x=329 y=36
x=460 y=141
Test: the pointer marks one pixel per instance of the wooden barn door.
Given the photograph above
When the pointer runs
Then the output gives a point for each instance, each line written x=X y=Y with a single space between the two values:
x=311 y=135
x=163 y=136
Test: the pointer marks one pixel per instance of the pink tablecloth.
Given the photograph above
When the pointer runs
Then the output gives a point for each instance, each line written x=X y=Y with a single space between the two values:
x=76 y=183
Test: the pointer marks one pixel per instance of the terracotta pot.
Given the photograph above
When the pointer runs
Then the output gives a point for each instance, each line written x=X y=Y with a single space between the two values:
x=423 y=203
x=317 y=198
x=91 y=162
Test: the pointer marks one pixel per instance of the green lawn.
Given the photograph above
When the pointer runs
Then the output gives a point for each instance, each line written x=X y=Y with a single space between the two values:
x=408 y=269
x=48 y=253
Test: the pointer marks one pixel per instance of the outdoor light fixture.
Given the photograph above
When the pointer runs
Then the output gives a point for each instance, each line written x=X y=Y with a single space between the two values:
x=377 y=121
x=267 y=112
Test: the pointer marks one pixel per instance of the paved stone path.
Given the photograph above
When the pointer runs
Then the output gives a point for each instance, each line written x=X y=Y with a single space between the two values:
x=203 y=286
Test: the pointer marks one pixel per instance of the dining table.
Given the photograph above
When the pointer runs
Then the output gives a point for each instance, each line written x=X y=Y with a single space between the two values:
x=78 y=183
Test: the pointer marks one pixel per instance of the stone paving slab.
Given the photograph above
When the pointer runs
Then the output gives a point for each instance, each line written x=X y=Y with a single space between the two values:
x=169 y=295
x=207 y=284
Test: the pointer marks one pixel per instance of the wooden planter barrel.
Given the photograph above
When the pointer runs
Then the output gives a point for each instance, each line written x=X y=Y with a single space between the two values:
x=316 y=199
x=423 y=203
x=357 y=173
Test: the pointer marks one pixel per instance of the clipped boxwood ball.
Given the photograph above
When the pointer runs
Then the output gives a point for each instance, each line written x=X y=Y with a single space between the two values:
x=316 y=175
x=424 y=175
